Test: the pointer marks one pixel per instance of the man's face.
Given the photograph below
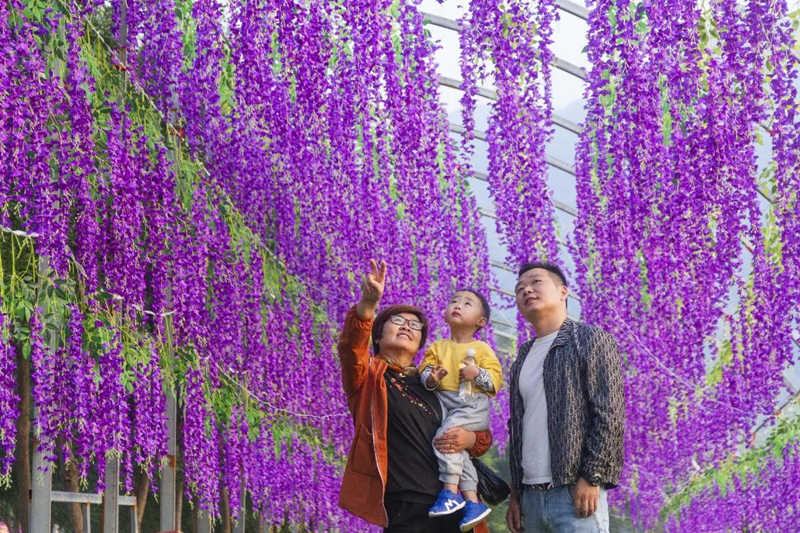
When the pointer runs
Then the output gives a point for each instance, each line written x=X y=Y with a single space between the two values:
x=539 y=292
x=397 y=337
x=464 y=309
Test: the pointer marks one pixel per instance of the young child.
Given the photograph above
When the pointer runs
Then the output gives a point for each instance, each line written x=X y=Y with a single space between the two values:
x=465 y=372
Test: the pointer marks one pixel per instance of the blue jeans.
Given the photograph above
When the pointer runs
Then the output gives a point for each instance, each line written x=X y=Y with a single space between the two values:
x=553 y=511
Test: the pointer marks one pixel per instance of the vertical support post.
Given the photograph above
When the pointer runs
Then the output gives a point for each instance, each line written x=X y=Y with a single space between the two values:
x=134 y=521
x=203 y=522
x=123 y=30
x=111 y=495
x=167 y=490
x=87 y=518
x=41 y=489
x=239 y=527
x=41 y=504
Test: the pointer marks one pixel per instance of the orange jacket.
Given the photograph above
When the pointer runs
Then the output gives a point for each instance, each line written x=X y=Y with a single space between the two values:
x=364 y=480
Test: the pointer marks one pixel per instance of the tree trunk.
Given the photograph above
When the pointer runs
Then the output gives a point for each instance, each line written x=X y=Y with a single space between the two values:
x=226 y=511
x=142 y=489
x=22 y=452
x=71 y=477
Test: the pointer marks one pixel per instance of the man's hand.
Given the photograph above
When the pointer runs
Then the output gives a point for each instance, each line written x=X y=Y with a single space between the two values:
x=435 y=377
x=469 y=372
x=372 y=286
x=513 y=515
x=585 y=498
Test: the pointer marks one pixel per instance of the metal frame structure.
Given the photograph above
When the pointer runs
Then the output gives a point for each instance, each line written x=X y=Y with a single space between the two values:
x=560 y=121
x=43 y=498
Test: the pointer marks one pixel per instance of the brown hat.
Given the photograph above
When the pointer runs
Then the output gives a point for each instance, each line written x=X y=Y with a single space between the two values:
x=388 y=312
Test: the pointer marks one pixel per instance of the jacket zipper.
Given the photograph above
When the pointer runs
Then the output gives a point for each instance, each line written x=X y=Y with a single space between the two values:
x=375 y=453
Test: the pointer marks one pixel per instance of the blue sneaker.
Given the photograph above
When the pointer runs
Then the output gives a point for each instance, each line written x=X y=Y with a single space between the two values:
x=447 y=503
x=473 y=513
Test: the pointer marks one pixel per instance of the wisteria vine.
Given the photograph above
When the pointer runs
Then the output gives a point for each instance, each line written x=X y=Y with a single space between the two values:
x=668 y=229
x=201 y=179
x=221 y=172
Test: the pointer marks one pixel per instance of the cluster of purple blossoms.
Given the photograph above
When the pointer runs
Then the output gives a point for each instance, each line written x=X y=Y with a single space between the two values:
x=219 y=204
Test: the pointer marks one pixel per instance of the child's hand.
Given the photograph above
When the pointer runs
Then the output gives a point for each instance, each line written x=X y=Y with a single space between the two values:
x=437 y=374
x=469 y=372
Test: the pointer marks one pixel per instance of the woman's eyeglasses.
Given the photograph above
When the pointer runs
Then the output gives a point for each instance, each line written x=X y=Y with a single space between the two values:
x=416 y=325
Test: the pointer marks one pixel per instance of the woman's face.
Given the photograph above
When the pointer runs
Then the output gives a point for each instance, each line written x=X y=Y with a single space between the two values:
x=398 y=338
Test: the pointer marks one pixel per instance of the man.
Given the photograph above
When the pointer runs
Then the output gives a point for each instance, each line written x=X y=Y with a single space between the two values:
x=567 y=414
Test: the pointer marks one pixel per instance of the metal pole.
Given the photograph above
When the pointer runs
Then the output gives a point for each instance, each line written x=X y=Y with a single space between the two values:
x=123 y=29
x=41 y=492
x=111 y=495
x=41 y=474
x=168 y=470
x=167 y=491
x=203 y=522
x=239 y=527
x=87 y=518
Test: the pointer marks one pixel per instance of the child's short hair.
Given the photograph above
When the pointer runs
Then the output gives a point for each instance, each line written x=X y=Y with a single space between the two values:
x=484 y=302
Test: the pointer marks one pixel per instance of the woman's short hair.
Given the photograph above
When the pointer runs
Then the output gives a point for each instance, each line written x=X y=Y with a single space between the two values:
x=387 y=313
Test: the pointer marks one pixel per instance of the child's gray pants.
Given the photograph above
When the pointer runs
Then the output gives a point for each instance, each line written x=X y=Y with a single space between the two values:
x=471 y=414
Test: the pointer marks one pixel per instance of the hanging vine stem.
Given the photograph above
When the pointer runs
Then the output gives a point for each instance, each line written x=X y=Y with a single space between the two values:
x=273 y=408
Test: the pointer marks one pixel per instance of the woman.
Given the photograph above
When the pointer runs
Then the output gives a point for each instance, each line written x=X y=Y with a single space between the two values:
x=391 y=477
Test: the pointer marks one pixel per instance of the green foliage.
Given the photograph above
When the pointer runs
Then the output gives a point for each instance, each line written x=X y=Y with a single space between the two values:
x=499 y=463
x=285 y=431
x=747 y=465
x=725 y=354
x=227 y=84
x=608 y=98
x=666 y=113
x=28 y=283
x=188 y=27
x=772 y=238
x=644 y=292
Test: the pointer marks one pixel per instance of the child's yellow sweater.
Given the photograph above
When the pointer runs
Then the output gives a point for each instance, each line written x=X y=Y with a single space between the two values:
x=449 y=354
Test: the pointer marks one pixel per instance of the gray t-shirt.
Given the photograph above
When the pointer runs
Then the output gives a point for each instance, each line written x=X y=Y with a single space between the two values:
x=535 y=438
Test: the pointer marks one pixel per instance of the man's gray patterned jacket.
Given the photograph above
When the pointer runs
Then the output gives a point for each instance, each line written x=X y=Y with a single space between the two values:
x=585 y=407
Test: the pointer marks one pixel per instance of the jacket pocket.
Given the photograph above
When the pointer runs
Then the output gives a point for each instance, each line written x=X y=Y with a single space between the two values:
x=362 y=452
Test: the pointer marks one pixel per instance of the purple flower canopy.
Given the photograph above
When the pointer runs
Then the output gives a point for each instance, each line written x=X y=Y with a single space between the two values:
x=212 y=178
x=214 y=182
x=671 y=254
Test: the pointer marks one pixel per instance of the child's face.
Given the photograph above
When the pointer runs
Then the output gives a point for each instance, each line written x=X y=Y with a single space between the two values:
x=464 y=309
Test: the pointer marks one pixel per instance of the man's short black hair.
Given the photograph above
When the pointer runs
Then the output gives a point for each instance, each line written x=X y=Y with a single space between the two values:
x=544 y=265
x=484 y=302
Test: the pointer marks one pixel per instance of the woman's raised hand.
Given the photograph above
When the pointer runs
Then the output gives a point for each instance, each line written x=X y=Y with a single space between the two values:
x=373 y=282
x=372 y=285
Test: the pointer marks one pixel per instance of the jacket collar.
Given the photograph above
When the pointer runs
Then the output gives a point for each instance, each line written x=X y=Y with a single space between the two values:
x=385 y=363
x=564 y=332
x=563 y=335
